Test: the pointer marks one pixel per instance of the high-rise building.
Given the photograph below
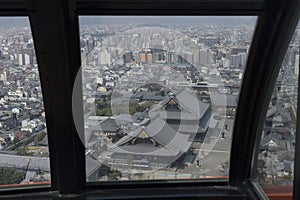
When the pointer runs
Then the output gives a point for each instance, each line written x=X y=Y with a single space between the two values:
x=235 y=60
x=3 y=77
x=143 y=57
x=104 y=58
x=296 y=68
x=243 y=58
x=196 y=57
x=127 y=57
x=204 y=58
x=24 y=59
x=149 y=58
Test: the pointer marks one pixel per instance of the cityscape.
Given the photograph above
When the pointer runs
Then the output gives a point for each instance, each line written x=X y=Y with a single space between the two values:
x=23 y=134
x=160 y=95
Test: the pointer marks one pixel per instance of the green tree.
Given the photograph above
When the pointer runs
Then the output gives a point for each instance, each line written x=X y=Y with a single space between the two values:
x=39 y=137
x=10 y=176
x=104 y=112
x=112 y=175
x=104 y=170
x=16 y=140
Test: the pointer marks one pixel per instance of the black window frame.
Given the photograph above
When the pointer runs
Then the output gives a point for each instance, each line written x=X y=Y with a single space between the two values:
x=55 y=29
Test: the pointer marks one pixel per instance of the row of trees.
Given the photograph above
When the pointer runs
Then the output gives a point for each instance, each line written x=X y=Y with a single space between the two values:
x=104 y=108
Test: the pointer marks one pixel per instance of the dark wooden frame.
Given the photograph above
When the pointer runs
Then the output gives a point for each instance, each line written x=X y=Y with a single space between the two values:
x=54 y=25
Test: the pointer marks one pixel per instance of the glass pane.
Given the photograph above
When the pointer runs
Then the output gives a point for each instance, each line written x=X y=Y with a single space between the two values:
x=275 y=165
x=160 y=94
x=24 y=156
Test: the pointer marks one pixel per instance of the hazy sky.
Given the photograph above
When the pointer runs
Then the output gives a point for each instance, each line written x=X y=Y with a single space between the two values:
x=14 y=22
x=188 y=20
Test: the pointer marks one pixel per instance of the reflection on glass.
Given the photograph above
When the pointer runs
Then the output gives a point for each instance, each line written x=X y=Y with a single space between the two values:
x=23 y=140
x=160 y=94
x=275 y=165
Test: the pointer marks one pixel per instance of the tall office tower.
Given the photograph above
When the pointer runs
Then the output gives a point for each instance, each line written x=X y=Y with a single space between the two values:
x=127 y=57
x=235 y=60
x=188 y=56
x=196 y=57
x=296 y=67
x=169 y=57
x=20 y=59
x=104 y=58
x=204 y=58
x=149 y=58
x=143 y=57
x=24 y=59
x=3 y=77
x=243 y=58
x=83 y=59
